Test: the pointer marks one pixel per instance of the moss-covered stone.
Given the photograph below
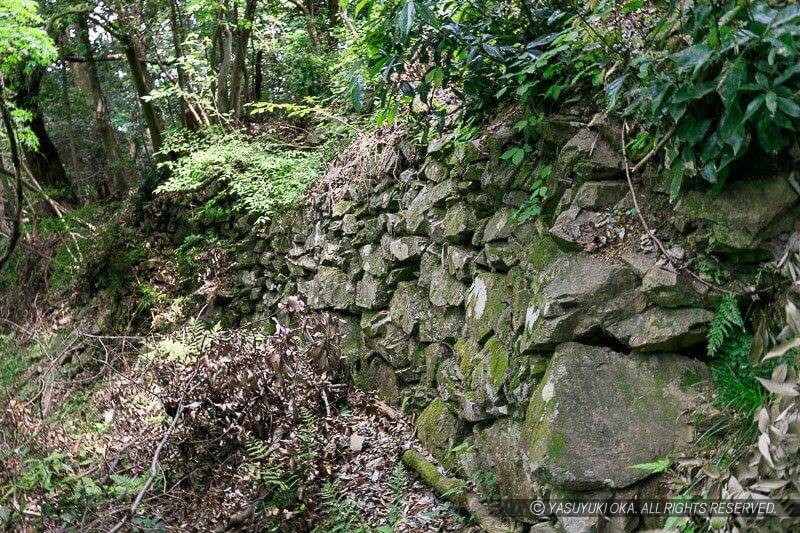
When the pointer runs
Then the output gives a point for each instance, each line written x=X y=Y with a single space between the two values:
x=745 y=213
x=408 y=306
x=542 y=252
x=445 y=290
x=439 y=429
x=488 y=306
x=663 y=329
x=597 y=412
x=497 y=362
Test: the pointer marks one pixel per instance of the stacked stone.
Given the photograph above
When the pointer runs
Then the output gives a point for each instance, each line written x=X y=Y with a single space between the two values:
x=560 y=368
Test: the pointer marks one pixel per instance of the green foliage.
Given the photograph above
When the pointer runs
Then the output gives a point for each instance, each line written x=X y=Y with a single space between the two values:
x=397 y=486
x=271 y=476
x=24 y=43
x=340 y=514
x=476 y=51
x=254 y=176
x=727 y=321
x=731 y=87
x=13 y=361
x=539 y=192
x=188 y=256
x=656 y=467
x=735 y=376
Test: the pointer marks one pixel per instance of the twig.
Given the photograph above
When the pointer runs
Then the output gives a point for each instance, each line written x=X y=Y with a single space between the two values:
x=157 y=453
x=650 y=233
x=638 y=166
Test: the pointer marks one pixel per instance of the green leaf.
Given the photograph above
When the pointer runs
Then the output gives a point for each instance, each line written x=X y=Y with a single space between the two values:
x=613 y=89
x=789 y=107
x=788 y=73
x=692 y=131
x=709 y=173
x=694 y=91
x=753 y=107
x=632 y=6
x=677 y=111
x=656 y=467
x=405 y=19
x=676 y=183
x=693 y=58
x=359 y=6
x=771 y=100
x=733 y=79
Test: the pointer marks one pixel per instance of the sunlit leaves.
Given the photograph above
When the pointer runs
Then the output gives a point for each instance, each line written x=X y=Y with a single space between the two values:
x=24 y=43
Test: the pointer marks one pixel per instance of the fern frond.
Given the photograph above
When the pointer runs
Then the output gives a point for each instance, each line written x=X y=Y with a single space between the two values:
x=341 y=514
x=727 y=320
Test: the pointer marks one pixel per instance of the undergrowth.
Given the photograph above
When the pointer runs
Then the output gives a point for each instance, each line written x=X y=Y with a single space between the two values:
x=253 y=175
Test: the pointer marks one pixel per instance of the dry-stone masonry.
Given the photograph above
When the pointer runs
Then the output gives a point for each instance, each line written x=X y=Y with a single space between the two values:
x=561 y=369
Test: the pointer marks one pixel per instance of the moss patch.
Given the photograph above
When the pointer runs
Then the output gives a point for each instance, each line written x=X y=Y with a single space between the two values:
x=498 y=361
x=542 y=252
x=557 y=444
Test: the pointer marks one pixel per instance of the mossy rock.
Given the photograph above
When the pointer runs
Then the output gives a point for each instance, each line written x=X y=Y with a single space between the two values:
x=439 y=429
x=597 y=413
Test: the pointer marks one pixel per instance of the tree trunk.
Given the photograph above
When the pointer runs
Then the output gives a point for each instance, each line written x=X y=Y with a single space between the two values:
x=225 y=50
x=8 y=122
x=73 y=153
x=190 y=116
x=88 y=79
x=44 y=162
x=141 y=82
x=258 y=76
x=333 y=13
x=245 y=28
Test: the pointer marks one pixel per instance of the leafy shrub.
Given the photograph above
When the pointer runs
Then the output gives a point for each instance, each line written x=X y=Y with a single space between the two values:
x=732 y=88
x=255 y=175
x=480 y=52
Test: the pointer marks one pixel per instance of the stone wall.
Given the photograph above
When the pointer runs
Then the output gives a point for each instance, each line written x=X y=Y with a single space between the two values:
x=560 y=348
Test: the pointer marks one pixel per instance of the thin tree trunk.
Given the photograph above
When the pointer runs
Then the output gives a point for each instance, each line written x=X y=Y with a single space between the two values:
x=258 y=76
x=88 y=79
x=190 y=117
x=142 y=84
x=245 y=28
x=333 y=12
x=225 y=50
x=73 y=153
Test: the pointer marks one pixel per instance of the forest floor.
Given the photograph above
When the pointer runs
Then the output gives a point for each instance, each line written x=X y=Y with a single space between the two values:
x=121 y=410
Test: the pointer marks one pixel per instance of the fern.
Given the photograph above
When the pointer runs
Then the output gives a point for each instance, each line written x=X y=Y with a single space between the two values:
x=397 y=486
x=339 y=512
x=270 y=476
x=727 y=320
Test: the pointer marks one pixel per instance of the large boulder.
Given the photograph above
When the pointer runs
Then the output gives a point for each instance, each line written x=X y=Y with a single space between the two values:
x=428 y=197
x=663 y=329
x=445 y=290
x=746 y=212
x=597 y=413
x=592 y=157
x=408 y=306
x=668 y=288
x=575 y=296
